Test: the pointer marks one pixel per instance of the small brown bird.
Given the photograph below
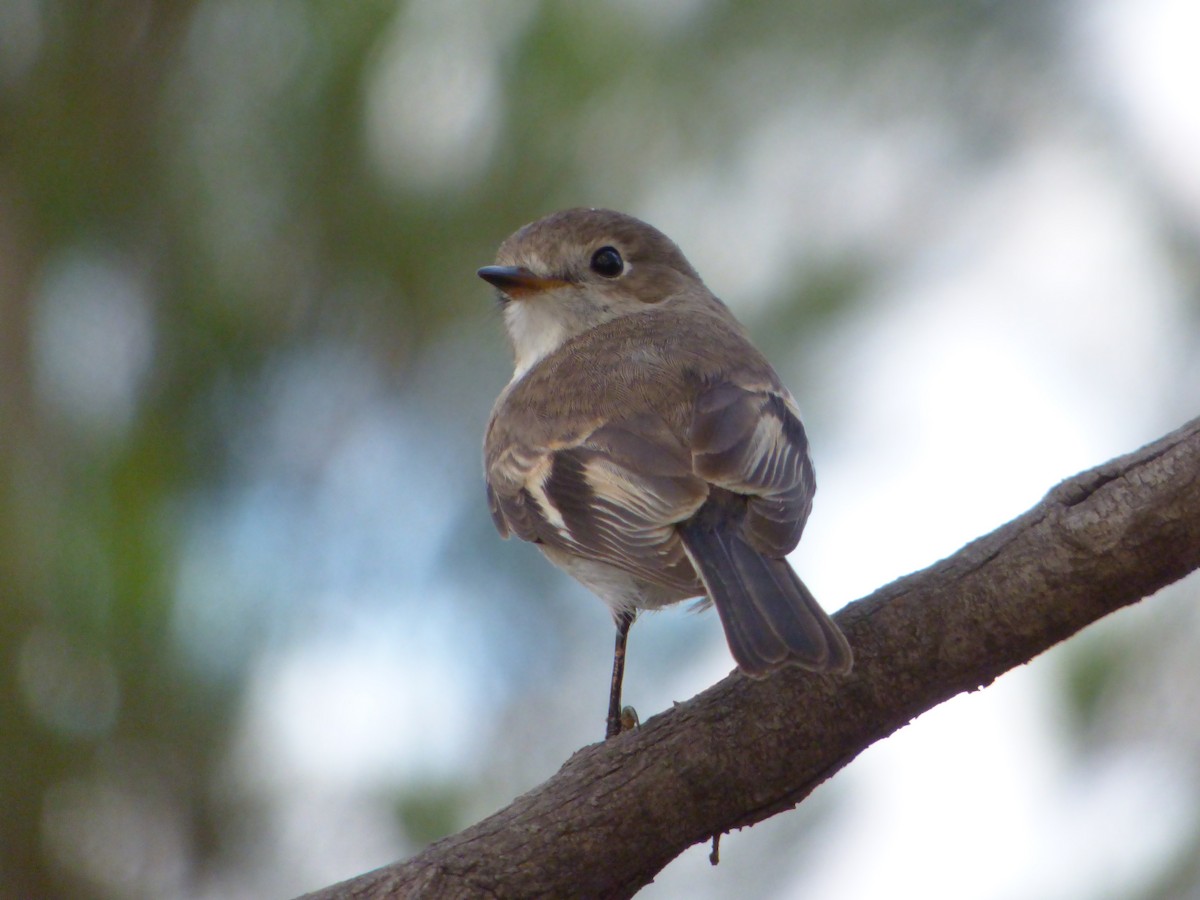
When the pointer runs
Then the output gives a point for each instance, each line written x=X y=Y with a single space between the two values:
x=646 y=446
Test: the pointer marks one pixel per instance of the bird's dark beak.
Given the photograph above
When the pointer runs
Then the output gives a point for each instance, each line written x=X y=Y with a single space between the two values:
x=517 y=281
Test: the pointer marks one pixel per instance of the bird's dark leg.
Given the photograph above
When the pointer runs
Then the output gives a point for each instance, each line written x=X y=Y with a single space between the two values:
x=624 y=619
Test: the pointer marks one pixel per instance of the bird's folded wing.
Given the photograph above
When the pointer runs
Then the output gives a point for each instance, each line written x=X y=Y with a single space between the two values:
x=614 y=495
x=748 y=439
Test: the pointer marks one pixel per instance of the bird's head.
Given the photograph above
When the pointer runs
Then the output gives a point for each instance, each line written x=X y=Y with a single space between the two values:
x=573 y=270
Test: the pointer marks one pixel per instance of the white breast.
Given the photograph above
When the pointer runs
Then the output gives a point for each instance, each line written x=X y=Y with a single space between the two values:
x=535 y=330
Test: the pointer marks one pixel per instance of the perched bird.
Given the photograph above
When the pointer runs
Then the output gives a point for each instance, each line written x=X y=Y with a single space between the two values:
x=646 y=446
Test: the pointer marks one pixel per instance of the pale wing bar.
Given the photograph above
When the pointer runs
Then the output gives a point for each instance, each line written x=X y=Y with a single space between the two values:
x=615 y=498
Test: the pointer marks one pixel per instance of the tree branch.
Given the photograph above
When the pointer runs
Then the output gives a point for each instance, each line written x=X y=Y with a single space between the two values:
x=743 y=750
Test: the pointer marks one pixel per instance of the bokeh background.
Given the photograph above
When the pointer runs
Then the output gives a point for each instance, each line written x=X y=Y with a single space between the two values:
x=256 y=631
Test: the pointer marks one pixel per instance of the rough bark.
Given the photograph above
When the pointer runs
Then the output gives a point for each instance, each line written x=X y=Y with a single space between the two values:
x=743 y=750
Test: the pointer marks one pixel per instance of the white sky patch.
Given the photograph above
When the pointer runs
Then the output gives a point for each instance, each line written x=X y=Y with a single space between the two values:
x=1140 y=55
x=434 y=102
x=977 y=800
x=856 y=187
x=373 y=705
x=1029 y=343
x=93 y=340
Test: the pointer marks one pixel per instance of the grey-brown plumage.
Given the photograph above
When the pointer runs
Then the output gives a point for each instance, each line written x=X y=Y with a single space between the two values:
x=645 y=445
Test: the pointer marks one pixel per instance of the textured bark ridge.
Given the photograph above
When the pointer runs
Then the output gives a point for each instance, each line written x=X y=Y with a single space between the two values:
x=743 y=750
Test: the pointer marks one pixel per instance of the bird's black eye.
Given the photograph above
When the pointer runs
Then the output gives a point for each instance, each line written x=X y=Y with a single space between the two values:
x=607 y=262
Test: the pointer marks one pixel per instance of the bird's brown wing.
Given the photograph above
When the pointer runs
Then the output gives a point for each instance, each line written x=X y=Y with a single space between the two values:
x=614 y=495
x=746 y=437
x=747 y=441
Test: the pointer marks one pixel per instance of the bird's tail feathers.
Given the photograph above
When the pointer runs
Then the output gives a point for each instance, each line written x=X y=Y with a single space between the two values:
x=770 y=618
